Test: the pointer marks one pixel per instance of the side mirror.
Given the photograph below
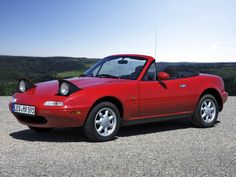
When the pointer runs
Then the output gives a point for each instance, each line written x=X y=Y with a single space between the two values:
x=163 y=76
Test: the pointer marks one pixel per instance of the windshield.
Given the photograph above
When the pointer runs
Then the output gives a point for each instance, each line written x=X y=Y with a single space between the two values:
x=117 y=67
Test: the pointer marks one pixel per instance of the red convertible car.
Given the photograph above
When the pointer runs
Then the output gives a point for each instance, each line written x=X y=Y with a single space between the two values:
x=119 y=90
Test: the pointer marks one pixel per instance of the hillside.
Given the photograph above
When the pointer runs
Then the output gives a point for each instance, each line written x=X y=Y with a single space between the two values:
x=39 y=69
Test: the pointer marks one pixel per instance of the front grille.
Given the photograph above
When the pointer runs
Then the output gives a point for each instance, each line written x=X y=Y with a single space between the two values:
x=31 y=119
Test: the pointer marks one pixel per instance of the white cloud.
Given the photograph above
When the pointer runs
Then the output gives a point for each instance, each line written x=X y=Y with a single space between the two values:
x=223 y=47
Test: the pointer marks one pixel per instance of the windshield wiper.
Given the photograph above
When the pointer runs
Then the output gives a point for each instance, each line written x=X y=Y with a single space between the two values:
x=107 y=76
x=82 y=75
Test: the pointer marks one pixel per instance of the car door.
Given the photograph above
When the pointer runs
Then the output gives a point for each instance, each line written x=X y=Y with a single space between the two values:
x=168 y=97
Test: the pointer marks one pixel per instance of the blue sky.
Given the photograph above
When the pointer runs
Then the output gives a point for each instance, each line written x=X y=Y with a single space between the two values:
x=197 y=30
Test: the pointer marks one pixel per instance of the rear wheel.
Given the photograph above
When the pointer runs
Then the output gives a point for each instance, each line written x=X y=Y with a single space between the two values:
x=103 y=122
x=39 y=129
x=206 y=112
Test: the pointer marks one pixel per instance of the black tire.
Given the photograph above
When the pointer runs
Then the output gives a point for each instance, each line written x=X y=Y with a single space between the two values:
x=39 y=129
x=90 y=127
x=199 y=119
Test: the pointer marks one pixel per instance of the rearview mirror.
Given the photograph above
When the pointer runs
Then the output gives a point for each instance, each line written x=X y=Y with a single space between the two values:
x=122 y=61
x=163 y=76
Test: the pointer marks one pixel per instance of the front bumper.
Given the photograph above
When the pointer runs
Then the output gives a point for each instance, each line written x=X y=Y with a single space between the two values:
x=53 y=118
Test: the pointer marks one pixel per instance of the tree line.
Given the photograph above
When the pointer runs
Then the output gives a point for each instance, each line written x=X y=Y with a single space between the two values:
x=39 y=69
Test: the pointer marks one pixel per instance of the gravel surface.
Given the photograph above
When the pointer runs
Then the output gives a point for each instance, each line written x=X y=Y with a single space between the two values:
x=173 y=148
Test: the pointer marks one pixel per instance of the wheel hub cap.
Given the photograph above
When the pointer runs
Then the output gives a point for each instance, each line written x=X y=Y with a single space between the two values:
x=208 y=110
x=105 y=121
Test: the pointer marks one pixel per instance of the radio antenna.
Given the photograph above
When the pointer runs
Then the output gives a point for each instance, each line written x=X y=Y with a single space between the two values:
x=155 y=43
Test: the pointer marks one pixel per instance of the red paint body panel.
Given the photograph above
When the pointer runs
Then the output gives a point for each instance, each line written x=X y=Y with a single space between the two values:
x=139 y=99
x=58 y=118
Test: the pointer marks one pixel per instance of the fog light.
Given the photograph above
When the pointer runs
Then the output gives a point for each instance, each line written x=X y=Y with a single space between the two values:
x=53 y=103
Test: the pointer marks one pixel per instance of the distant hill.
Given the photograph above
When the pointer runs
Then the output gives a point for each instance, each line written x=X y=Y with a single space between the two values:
x=39 y=69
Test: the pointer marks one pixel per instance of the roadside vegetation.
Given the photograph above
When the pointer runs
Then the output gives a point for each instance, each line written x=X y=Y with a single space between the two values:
x=38 y=69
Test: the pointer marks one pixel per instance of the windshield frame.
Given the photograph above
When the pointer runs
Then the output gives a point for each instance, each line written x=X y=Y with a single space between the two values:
x=109 y=58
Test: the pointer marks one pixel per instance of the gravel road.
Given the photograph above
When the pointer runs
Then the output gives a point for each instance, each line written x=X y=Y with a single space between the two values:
x=173 y=148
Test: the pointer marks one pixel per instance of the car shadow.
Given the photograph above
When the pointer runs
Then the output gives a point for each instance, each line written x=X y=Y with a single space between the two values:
x=76 y=134
x=155 y=127
x=56 y=135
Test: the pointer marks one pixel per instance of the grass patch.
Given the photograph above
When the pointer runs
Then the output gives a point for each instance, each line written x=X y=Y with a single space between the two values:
x=68 y=74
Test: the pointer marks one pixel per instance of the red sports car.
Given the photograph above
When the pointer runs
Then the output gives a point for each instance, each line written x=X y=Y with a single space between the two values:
x=119 y=90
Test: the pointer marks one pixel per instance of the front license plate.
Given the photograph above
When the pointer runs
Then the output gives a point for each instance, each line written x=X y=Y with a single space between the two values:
x=30 y=110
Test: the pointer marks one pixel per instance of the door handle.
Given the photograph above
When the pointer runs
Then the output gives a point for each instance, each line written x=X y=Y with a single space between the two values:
x=182 y=85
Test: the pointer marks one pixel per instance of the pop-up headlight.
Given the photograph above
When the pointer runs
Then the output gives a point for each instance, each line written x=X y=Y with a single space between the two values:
x=24 y=85
x=66 y=88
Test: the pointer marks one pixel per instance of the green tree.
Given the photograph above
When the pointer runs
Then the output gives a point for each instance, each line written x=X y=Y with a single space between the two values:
x=234 y=86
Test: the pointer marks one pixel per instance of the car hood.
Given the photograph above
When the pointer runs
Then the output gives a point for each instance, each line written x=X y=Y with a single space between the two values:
x=85 y=82
x=51 y=87
x=48 y=90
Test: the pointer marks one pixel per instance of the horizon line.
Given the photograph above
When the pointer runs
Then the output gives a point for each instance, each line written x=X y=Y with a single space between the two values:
x=62 y=56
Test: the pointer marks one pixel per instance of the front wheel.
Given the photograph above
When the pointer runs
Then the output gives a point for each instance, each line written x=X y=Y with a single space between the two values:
x=206 y=112
x=103 y=122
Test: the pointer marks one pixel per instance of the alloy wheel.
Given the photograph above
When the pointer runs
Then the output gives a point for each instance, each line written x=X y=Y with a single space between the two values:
x=105 y=122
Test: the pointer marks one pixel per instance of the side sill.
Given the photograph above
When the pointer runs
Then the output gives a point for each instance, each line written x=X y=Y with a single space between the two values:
x=155 y=119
